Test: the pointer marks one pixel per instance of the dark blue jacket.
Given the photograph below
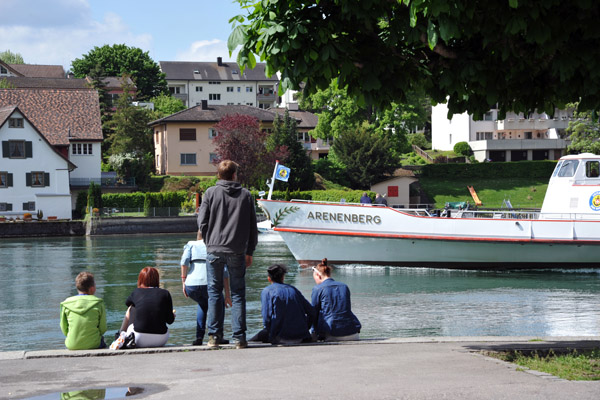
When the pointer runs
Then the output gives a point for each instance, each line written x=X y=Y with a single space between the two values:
x=286 y=313
x=331 y=301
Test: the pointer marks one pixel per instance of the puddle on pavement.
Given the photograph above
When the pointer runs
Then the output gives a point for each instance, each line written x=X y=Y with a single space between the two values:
x=92 y=394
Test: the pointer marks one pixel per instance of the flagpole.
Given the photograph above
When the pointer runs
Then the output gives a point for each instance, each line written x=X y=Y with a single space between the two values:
x=272 y=181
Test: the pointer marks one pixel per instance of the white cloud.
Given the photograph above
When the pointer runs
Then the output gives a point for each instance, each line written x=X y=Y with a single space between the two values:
x=61 y=43
x=206 y=51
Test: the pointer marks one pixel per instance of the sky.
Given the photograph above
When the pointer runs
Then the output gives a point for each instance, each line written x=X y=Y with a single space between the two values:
x=55 y=32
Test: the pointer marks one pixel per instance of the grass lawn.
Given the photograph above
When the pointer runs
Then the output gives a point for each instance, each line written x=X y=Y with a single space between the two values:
x=575 y=366
x=522 y=193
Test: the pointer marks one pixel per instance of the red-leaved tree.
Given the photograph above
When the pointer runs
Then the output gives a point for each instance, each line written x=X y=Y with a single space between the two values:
x=240 y=139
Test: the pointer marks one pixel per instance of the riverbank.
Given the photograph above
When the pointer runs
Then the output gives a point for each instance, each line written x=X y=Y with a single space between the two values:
x=99 y=226
x=411 y=368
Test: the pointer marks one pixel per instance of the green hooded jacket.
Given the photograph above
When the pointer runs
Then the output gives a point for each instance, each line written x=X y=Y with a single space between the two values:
x=83 y=321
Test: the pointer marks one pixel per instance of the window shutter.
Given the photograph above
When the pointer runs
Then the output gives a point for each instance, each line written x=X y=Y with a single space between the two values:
x=9 y=180
x=46 y=179
x=5 y=150
x=26 y=206
x=28 y=150
x=8 y=206
x=28 y=179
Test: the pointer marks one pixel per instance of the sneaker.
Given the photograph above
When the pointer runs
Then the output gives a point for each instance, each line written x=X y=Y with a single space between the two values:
x=241 y=344
x=197 y=342
x=213 y=341
x=223 y=341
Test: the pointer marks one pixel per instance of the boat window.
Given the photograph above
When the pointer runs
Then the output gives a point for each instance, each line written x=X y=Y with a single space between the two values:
x=592 y=169
x=567 y=170
x=557 y=168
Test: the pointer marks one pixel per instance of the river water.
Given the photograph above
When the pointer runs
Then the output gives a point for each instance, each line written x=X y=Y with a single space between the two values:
x=37 y=274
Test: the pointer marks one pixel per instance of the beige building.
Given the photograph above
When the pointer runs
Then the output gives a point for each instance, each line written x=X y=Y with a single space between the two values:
x=183 y=141
x=397 y=188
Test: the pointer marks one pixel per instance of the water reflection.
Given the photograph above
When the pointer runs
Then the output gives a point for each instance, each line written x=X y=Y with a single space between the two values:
x=37 y=274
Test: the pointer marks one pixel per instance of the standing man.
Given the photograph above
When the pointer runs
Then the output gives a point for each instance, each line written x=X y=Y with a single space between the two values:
x=227 y=221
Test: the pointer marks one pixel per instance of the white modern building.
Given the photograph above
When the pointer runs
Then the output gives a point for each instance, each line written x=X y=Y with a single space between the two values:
x=220 y=83
x=517 y=137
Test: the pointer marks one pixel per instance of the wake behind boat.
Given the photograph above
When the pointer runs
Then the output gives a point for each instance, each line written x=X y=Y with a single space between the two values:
x=564 y=234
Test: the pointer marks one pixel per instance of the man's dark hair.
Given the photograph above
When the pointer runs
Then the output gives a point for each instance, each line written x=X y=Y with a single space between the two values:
x=226 y=169
x=276 y=272
x=84 y=282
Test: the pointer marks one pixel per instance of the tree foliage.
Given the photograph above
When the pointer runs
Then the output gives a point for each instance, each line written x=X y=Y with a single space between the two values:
x=120 y=59
x=11 y=58
x=366 y=157
x=517 y=54
x=240 y=139
x=165 y=104
x=584 y=133
x=285 y=136
x=463 y=149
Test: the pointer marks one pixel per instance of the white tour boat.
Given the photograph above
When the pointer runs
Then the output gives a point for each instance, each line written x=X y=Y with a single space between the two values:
x=565 y=233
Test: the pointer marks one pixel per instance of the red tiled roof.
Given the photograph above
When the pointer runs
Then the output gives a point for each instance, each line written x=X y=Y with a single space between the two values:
x=60 y=115
x=39 y=71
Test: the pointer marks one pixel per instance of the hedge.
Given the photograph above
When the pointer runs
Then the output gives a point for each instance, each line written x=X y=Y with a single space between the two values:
x=351 y=196
x=519 y=169
x=136 y=200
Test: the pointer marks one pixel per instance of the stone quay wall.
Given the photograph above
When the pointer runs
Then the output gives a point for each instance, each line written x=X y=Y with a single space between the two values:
x=99 y=226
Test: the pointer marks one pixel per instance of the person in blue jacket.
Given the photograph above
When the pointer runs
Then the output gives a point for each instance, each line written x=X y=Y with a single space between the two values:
x=331 y=300
x=287 y=315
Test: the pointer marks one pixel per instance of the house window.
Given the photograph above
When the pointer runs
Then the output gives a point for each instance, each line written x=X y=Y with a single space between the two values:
x=248 y=89
x=175 y=89
x=5 y=179
x=229 y=104
x=249 y=104
x=16 y=148
x=37 y=178
x=212 y=157
x=3 y=71
x=239 y=89
x=214 y=96
x=214 y=82
x=392 y=191
x=187 y=134
x=198 y=88
x=188 y=158
x=212 y=133
x=82 y=148
x=528 y=135
x=15 y=122
x=230 y=88
x=5 y=206
x=29 y=206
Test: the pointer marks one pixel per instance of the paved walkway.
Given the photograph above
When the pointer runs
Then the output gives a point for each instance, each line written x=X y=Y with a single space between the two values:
x=415 y=368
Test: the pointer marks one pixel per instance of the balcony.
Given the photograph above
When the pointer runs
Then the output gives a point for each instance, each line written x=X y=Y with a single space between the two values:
x=531 y=124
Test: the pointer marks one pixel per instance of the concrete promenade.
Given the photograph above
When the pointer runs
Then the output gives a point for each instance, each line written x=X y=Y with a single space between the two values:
x=412 y=368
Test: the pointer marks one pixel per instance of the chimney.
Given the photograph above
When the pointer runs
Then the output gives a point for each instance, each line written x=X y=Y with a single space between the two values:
x=204 y=105
x=219 y=61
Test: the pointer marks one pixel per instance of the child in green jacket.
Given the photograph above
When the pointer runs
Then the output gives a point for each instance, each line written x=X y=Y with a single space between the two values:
x=83 y=317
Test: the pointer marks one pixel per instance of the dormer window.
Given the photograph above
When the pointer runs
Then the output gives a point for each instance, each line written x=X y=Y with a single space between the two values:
x=15 y=123
x=196 y=71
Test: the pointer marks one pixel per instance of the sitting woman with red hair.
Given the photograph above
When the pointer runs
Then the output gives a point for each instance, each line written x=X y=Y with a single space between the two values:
x=150 y=310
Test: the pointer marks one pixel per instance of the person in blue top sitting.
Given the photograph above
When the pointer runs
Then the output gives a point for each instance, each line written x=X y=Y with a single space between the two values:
x=193 y=278
x=331 y=300
x=287 y=315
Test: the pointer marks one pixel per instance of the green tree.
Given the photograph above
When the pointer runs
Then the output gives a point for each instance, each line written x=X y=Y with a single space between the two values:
x=285 y=135
x=418 y=139
x=97 y=81
x=120 y=59
x=5 y=84
x=94 y=197
x=463 y=149
x=517 y=54
x=584 y=133
x=132 y=165
x=11 y=58
x=129 y=125
x=366 y=156
x=165 y=104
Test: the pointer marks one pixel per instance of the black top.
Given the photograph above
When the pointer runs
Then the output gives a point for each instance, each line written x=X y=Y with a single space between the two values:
x=153 y=310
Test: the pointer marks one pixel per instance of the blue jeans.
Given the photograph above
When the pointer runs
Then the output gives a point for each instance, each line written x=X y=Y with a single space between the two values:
x=200 y=295
x=236 y=265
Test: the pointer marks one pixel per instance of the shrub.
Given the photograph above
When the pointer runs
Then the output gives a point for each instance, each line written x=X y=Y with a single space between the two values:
x=94 y=197
x=440 y=160
x=418 y=139
x=463 y=149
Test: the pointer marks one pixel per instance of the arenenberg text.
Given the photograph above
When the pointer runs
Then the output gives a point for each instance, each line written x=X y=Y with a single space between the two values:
x=342 y=217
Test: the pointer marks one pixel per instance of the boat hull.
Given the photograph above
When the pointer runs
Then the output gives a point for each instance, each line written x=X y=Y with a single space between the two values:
x=348 y=234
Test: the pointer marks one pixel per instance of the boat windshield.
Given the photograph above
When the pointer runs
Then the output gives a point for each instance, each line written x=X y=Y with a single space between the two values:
x=567 y=170
x=556 y=169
